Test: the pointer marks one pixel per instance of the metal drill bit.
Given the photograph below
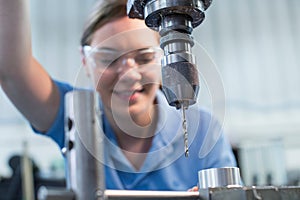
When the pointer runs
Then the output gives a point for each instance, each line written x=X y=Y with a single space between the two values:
x=185 y=133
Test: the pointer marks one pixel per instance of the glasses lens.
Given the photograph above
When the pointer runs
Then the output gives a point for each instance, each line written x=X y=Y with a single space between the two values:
x=105 y=59
x=112 y=59
x=145 y=56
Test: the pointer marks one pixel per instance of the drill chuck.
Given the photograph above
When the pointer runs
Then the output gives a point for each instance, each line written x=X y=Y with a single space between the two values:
x=174 y=20
x=180 y=81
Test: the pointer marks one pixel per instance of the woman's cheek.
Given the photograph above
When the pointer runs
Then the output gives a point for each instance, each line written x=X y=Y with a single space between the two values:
x=104 y=81
x=153 y=77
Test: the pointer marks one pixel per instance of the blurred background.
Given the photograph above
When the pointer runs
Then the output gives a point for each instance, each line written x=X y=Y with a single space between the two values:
x=255 y=45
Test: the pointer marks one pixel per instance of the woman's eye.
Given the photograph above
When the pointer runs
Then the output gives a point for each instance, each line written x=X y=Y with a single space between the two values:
x=145 y=58
x=105 y=61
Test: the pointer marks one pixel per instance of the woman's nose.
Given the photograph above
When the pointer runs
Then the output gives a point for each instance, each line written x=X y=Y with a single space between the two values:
x=128 y=62
x=128 y=71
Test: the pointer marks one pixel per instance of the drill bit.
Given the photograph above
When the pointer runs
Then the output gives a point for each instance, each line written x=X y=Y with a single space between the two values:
x=185 y=133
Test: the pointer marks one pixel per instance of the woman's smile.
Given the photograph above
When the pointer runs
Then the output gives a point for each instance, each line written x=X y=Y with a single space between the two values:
x=130 y=96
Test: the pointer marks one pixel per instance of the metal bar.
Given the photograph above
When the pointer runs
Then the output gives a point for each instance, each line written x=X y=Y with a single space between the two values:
x=27 y=174
x=46 y=193
x=149 y=195
x=84 y=141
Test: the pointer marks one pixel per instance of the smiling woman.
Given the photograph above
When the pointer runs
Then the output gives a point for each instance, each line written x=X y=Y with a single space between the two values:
x=122 y=83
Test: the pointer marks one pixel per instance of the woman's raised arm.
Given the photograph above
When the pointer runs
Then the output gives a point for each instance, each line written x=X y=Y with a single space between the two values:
x=22 y=78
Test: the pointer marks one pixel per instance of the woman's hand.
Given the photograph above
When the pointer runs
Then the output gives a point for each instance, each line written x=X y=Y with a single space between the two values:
x=193 y=189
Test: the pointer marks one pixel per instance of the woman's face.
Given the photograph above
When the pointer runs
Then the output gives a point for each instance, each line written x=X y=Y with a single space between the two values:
x=125 y=70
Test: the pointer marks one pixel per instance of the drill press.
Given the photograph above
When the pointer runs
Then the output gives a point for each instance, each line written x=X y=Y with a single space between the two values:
x=175 y=20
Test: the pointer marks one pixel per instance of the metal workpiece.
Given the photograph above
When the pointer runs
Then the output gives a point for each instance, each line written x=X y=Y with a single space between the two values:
x=219 y=177
x=85 y=146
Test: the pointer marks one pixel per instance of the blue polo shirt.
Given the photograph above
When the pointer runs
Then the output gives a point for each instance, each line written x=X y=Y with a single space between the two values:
x=165 y=166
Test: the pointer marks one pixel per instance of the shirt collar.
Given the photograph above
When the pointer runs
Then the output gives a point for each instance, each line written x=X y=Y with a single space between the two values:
x=167 y=134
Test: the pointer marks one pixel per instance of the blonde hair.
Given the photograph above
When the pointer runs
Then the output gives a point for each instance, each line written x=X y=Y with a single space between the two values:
x=104 y=12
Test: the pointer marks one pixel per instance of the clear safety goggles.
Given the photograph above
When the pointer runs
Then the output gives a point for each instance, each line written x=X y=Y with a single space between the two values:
x=106 y=58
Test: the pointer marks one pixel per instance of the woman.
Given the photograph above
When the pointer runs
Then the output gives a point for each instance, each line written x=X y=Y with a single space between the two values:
x=144 y=134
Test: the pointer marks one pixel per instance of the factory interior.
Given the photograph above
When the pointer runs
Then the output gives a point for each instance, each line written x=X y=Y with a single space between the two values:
x=251 y=47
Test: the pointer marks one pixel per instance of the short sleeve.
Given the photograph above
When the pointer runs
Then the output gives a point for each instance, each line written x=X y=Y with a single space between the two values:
x=56 y=131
